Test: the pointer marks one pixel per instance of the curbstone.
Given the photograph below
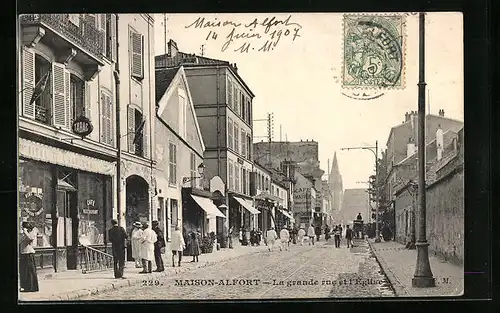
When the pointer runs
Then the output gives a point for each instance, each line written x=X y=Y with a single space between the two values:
x=131 y=282
x=397 y=286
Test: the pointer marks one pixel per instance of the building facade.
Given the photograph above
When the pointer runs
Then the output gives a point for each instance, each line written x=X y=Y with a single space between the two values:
x=67 y=179
x=179 y=148
x=223 y=105
x=304 y=200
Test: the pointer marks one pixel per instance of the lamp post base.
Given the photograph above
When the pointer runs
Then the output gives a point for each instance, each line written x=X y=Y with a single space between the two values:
x=423 y=275
x=377 y=236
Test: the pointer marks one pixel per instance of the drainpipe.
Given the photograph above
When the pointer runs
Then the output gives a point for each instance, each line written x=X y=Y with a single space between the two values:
x=118 y=133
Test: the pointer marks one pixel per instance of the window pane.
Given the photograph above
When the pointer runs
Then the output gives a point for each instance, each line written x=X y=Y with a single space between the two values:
x=174 y=207
x=91 y=208
x=36 y=199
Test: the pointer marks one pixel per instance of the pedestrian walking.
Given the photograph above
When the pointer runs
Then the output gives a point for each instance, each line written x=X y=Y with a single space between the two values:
x=27 y=268
x=259 y=236
x=284 y=239
x=148 y=249
x=348 y=237
x=336 y=236
x=195 y=245
x=159 y=247
x=317 y=232
x=240 y=236
x=271 y=237
x=301 y=233
x=327 y=233
x=230 y=237
x=311 y=234
x=136 y=237
x=118 y=237
x=178 y=245
x=294 y=234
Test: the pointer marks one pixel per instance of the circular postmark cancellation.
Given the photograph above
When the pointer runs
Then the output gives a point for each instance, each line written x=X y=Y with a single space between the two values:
x=373 y=56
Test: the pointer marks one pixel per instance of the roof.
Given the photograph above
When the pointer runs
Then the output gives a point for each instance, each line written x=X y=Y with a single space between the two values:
x=193 y=60
x=447 y=136
x=427 y=117
x=163 y=78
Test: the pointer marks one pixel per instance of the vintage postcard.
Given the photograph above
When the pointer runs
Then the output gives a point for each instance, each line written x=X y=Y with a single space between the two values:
x=240 y=156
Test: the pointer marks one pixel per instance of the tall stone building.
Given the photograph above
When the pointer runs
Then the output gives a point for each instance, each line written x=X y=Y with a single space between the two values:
x=336 y=187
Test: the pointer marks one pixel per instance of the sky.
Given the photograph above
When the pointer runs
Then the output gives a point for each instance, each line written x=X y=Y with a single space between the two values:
x=299 y=80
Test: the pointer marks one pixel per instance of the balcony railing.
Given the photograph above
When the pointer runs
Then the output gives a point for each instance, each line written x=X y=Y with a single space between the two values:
x=86 y=35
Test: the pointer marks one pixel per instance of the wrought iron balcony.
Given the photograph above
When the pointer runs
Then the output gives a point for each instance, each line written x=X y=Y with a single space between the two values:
x=86 y=36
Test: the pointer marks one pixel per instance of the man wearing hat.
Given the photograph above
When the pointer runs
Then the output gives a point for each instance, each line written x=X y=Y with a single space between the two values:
x=118 y=237
x=136 y=244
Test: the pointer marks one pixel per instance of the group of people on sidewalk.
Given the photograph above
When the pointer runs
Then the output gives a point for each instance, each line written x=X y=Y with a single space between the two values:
x=149 y=244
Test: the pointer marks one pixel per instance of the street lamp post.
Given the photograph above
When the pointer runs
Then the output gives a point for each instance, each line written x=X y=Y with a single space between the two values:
x=423 y=274
x=374 y=150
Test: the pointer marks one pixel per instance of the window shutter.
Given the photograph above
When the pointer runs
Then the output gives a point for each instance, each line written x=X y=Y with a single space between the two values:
x=28 y=82
x=59 y=105
x=105 y=123
x=111 y=134
x=112 y=36
x=102 y=27
x=87 y=102
x=67 y=91
x=145 y=143
x=131 y=129
x=136 y=49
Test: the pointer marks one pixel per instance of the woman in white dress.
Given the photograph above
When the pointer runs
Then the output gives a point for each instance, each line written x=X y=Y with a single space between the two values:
x=136 y=244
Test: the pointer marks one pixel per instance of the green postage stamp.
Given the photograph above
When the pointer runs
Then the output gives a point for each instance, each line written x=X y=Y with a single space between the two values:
x=373 y=53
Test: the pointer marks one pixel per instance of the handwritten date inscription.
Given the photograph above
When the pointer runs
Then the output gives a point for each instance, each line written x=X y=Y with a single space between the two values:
x=254 y=35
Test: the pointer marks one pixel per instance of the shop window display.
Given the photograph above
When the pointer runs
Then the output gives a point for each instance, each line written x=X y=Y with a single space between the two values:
x=91 y=208
x=36 y=199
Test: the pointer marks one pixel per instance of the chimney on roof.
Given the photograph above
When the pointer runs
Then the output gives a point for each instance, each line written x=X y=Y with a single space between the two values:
x=235 y=67
x=441 y=112
x=439 y=142
x=172 y=48
x=407 y=117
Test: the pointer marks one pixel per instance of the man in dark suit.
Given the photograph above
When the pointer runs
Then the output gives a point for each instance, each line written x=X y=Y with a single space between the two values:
x=118 y=237
x=159 y=244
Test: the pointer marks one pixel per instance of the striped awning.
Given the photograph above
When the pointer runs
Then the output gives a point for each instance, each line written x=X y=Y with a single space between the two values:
x=247 y=205
x=208 y=206
x=285 y=213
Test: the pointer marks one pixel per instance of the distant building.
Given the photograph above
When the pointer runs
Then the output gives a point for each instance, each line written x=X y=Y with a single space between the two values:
x=354 y=201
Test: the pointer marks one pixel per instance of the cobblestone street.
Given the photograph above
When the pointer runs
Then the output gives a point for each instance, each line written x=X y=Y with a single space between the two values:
x=318 y=271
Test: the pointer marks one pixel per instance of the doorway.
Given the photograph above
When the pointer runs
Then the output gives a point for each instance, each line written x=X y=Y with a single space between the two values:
x=137 y=205
x=68 y=225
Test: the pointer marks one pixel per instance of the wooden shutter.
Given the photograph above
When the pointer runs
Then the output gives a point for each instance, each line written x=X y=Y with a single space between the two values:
x=109 y=104
x=112 y=36
x=136 y=58
x=67 y=99
x=106 y=123
x=102 y=27
x=28 y=82
x=131 y=129
x=87 y=101
x=145 y=143
x=59 y=105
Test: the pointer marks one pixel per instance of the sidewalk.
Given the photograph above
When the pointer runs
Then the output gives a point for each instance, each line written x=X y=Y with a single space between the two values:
x=71 y=285
x=399 y=264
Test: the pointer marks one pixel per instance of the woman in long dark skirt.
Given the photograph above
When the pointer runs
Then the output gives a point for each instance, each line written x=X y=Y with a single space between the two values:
x=27 y=268
x=195 y=245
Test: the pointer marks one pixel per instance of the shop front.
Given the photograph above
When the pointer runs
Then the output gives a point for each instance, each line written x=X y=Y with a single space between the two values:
x=199 y=212
x=68 y=204
x=284 y=218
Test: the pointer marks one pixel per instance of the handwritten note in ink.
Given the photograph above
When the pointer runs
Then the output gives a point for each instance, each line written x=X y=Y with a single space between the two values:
x=261 y=35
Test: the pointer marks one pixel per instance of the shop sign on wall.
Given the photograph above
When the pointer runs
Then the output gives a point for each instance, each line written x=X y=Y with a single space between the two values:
x=90 y=209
